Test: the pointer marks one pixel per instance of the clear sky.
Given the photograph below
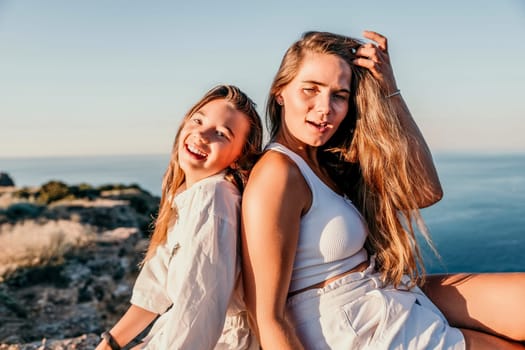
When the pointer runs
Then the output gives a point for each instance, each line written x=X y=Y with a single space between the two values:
x=109 y=77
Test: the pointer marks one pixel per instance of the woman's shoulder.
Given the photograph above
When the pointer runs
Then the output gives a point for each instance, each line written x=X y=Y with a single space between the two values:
x=276 y=162
x=275 y=172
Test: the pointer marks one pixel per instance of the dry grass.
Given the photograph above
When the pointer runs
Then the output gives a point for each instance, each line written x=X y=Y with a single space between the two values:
x=31 y=243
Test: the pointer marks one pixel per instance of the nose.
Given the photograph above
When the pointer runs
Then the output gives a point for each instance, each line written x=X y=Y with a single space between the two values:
x=202 y=134
x=323 y=105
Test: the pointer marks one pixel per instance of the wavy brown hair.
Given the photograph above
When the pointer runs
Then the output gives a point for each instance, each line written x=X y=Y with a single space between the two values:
x=237 y=174
x=368 y=157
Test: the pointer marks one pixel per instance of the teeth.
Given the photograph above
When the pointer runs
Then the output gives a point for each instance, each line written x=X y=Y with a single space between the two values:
x=319 y=125
x=196 y=151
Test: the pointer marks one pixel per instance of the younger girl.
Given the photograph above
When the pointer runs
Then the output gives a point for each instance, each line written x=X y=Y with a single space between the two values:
x=191 y=270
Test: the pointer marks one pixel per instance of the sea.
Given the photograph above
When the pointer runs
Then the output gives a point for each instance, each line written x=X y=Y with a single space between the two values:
x=478 y=226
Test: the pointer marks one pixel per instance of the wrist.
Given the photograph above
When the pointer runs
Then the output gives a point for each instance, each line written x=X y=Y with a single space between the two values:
x=110 y=341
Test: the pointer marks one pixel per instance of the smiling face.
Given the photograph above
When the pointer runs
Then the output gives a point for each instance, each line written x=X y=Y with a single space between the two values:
x=316 y=101
x=211 y=140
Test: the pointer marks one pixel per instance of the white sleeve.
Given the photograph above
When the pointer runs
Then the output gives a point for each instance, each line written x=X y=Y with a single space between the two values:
x=201 y=279
x=149 y=291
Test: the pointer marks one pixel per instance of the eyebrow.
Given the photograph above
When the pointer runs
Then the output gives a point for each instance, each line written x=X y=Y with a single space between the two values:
x=322 y=84
x=230 y=131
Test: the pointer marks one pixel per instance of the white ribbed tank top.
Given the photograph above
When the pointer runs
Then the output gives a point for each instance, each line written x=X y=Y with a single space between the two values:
x=332 y=232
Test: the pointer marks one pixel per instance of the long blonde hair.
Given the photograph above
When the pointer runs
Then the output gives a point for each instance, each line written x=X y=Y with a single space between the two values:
x=368 y=157
x=174 y=176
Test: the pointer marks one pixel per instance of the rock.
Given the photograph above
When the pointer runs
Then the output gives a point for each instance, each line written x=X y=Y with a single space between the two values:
x=86 y=294
x=66 y=302
x=83 y=342
x=22 y=211
x=6 y=180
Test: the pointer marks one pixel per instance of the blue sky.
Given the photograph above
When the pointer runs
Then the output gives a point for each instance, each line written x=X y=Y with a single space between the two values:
x=115 y=77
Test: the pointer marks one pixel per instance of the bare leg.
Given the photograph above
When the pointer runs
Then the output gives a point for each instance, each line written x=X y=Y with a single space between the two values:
x=493 y=303
x=481 y=341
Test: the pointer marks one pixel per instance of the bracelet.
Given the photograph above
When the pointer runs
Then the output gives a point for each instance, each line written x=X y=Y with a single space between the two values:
x=395 y=93
x=110 y=340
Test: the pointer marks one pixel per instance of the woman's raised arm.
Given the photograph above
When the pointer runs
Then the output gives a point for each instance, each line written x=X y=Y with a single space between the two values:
x=374 y=56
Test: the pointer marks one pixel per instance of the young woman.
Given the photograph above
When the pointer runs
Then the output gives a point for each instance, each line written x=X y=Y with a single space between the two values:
x=330 y=258
x=191 y=273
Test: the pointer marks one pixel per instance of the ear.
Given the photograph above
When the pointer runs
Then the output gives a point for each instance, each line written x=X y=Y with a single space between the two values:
x=279 y=99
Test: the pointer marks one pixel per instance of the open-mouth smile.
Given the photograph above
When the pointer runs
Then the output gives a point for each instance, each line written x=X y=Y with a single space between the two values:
x=195 y=152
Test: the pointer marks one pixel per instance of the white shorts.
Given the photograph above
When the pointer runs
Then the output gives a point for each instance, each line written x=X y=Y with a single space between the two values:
x=358 y=312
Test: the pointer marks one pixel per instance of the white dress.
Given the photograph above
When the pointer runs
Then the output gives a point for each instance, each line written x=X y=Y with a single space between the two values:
x=193 y=280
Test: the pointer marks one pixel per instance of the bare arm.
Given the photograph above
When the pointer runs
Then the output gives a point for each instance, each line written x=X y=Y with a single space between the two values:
x=275 y=197
x=375 y=58
x=148 y=301
x=134 y=321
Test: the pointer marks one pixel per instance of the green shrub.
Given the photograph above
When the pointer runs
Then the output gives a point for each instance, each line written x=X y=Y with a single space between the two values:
x=110 y=187
x=52 y=191
x=24 y=193
x=84 y=190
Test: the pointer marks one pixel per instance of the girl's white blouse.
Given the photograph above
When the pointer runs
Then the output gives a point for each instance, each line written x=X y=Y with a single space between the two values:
x=193 y=280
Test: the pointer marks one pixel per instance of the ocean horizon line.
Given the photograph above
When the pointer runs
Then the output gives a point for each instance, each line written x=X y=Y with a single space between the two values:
x=436 y=153
x=76 y=156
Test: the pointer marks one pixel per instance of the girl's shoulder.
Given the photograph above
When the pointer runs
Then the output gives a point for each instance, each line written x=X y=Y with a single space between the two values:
x=210 y=187
x=217 y=186
x=217 y=196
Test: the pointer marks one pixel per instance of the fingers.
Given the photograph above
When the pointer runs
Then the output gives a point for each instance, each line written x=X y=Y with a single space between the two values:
x=372 y=52
x=375 y=68
x=381 y=41
x=365 y=62
x=375 y=52
x=374 y=56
